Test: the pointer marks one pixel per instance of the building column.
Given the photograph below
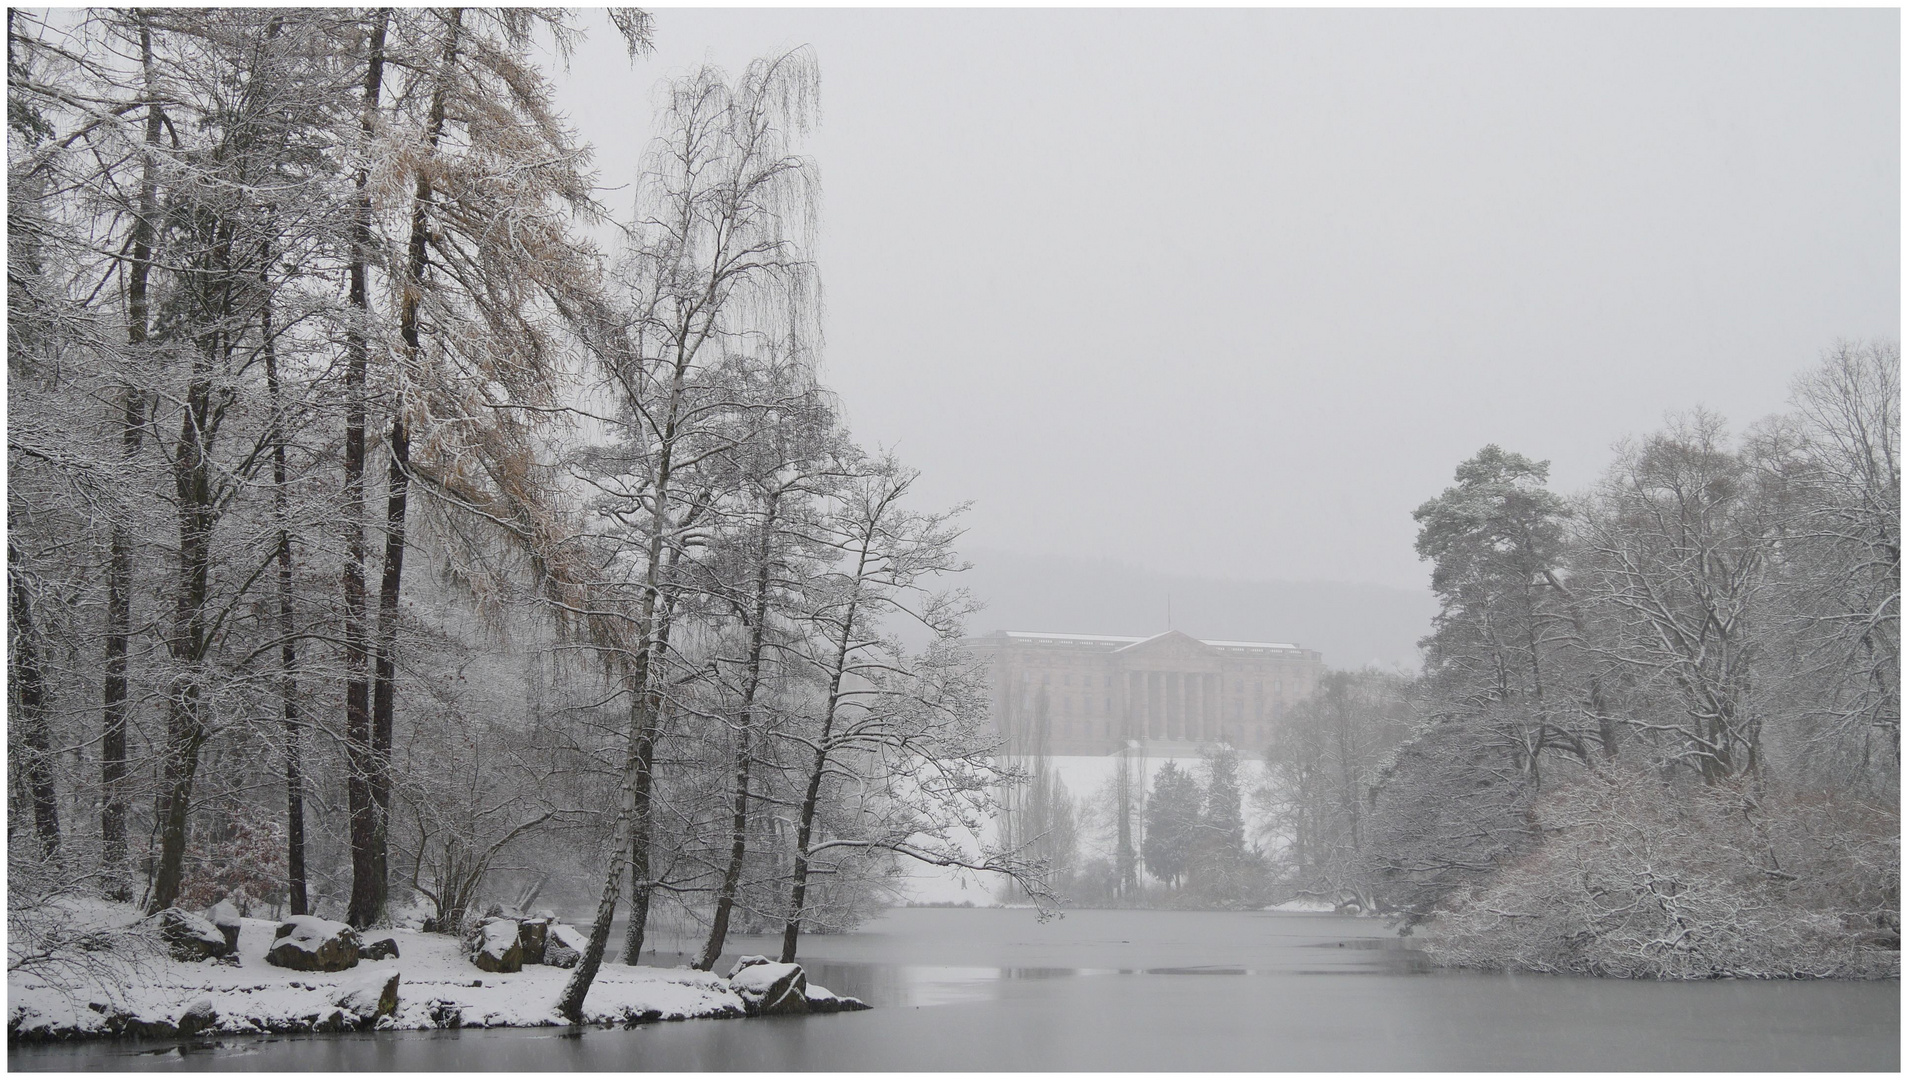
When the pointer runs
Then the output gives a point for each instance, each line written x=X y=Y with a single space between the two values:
x=1126 y=708
x=1155 y=705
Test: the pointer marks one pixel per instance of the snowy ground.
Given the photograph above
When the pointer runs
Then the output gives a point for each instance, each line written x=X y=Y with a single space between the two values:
x=437 y=987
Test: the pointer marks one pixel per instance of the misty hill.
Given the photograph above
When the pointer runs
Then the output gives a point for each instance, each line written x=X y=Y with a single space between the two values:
x=1351 y=623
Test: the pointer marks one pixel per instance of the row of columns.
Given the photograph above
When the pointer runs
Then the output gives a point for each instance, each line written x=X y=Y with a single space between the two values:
x=1154 y=704
x=1174 y=704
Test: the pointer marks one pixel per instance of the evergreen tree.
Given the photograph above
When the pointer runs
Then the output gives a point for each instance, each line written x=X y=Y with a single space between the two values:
x=1225 y=871
x=1173 y=815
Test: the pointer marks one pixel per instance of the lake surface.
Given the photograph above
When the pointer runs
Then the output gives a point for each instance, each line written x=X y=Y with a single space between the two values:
x=993 y=989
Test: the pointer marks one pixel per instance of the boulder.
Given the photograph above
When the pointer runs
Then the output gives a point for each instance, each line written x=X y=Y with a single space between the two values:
x=563 y=946
x=202 y=1016
x=308 y=943
x=226 y=917
x=532 y=934
x=446 y=1014
x=190 y=937
x=370 y=999
x=497 y=947
x=823 y=1000
x=385 y=948
x=770 y=989
x=747 y=961
x=140 y=1027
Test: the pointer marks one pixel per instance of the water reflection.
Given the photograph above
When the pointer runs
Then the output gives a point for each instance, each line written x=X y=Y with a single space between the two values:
x=916 y=985
x=1189 y=972
x=990 y=990
x=919 y=985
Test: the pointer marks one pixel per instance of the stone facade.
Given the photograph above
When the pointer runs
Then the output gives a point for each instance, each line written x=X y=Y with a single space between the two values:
x=1084 y=694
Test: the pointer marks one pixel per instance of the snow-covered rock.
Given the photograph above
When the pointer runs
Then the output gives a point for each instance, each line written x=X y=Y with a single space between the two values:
x=226 y=917
x=385 y=948
x=308 y=943
x=370 y=999
x=190 y=937
x=823 y=1000
x=202 y=1016
x=531 y=936
x=770 y=989
x=145 y=996
x=747 y=961
x=497 y=947
x=563 y=946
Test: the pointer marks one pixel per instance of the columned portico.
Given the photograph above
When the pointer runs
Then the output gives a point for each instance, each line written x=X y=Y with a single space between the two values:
x=1174 y=692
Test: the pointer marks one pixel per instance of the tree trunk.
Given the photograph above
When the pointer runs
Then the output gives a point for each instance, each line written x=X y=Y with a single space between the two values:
x=642 y=811
x=643 y=794
x=30 y=682
x=805 y=830
x=296 y=898
x=358 y=750
x=739 y=823
x=635 y=776
x=119 y=567
x=639 y=764
x=384 y=664
x=185 y=724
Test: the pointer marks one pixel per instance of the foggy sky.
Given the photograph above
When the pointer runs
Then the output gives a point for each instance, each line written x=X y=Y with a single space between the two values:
x=1231 y=292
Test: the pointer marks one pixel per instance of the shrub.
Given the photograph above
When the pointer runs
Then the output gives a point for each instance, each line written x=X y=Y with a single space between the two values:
x=1642 y=878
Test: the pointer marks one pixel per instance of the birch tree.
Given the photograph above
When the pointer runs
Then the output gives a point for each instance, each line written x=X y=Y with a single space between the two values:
x=717 y=263
x=898 y=745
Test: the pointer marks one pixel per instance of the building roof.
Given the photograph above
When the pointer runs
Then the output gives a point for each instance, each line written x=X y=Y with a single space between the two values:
x=1108 y=639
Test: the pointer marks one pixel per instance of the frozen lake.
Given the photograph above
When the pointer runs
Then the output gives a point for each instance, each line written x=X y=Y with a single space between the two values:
x=992 y=989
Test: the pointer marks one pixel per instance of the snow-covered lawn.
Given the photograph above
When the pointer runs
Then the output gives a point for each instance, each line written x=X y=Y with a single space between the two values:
x=437 y=987
x=1310 y=907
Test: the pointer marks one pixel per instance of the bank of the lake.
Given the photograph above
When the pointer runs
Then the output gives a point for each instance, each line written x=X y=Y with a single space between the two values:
x=993 y=989
x=437 y=987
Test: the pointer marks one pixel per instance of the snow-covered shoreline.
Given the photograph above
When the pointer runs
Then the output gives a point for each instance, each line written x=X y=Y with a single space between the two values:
x=437 y=988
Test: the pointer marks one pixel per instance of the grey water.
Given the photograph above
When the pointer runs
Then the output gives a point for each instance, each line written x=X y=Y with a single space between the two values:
x=989 y=989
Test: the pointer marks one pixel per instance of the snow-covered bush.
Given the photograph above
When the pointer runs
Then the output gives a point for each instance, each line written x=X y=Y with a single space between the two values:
x=58 y=931
x=1640 y=878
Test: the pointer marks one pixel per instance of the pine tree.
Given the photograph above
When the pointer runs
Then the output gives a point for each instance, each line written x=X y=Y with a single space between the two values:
x=1173 y=813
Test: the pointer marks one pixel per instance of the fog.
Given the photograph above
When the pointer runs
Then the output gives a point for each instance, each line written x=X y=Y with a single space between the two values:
x=1229 y=293
x=422 y=629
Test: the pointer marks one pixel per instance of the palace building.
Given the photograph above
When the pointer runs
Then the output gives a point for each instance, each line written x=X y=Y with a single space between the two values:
x=1087 y=694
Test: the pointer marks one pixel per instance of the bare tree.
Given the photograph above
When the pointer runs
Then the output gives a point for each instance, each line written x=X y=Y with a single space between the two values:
x=717 y=261
x=898 y=743
x=1676 y=549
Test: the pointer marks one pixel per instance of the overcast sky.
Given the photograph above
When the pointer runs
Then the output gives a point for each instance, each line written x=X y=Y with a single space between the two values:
x=1231 y=292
